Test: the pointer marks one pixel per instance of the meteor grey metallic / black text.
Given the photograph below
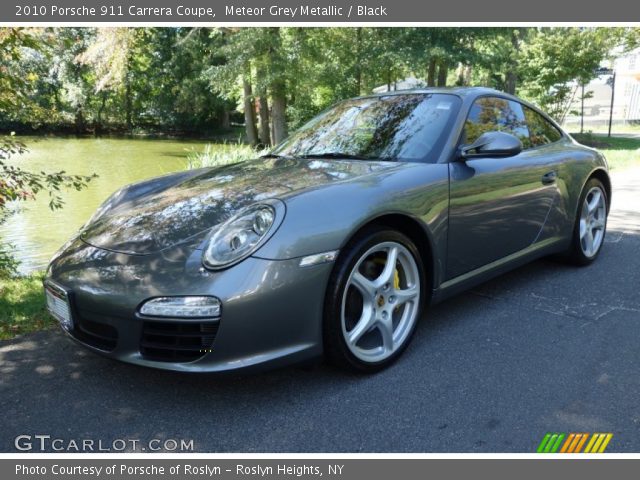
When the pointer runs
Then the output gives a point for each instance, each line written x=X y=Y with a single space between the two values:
x=336 y=241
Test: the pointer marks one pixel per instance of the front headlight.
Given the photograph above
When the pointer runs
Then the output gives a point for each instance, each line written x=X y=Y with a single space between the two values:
x=241 y=235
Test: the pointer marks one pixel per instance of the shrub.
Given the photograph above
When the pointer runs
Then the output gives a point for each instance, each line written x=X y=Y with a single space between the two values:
x=226 y=154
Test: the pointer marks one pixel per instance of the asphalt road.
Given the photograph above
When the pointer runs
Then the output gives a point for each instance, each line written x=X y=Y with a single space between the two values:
x=548 y=347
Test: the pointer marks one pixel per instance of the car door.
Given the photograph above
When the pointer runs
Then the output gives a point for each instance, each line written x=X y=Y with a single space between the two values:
x=498 y=206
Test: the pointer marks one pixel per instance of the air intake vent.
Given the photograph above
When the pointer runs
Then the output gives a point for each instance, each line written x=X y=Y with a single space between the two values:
x=91 y=329
x=183 y=341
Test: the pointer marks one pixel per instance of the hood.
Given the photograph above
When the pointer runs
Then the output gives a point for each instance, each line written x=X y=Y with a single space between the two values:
x=146 y=220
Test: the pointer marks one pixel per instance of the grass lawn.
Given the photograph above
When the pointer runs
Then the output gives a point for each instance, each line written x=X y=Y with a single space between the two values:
x=603 y=128
x=621 y=152
x=22 y=308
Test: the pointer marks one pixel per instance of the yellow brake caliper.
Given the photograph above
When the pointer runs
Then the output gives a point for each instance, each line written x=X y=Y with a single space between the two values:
x=396 y=281
x=396 y=276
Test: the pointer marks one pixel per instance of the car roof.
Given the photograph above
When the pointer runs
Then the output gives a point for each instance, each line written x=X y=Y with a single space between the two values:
x=468 y=94
x=460 y=91
x=463 y=92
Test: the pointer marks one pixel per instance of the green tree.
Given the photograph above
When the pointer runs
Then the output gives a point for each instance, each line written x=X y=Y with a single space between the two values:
x=189 y=80
x=555 y=57
x=16 y=183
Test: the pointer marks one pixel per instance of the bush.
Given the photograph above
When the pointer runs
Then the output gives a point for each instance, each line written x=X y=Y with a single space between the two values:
x=226 y=154
x=8 y=264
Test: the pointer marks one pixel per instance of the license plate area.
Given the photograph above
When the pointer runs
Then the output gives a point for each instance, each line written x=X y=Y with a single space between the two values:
x=59 y=306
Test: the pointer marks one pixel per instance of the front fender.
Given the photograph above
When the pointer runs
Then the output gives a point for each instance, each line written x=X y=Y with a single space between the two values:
x=324 y=219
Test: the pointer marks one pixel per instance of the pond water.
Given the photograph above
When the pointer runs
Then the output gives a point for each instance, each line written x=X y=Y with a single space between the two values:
x=37 y=232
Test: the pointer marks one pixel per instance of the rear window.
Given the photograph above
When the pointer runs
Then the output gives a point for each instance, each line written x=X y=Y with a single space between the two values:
x=541 y=131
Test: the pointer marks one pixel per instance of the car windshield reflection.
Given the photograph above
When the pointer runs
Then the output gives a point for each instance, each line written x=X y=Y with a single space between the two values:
x=408 y=127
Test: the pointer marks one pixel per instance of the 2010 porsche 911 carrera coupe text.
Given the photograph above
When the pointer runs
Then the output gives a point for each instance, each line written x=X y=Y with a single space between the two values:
x=335 y=242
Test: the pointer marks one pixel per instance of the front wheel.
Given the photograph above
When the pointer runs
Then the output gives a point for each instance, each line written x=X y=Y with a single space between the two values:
x=590 y=225
x=374 y=300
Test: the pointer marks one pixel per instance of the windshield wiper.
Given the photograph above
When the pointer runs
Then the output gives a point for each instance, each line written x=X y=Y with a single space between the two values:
x=337 y=155
x=271 y=155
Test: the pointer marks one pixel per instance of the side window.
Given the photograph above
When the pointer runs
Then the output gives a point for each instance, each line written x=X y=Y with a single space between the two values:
x=496 y=114
x=541 y=132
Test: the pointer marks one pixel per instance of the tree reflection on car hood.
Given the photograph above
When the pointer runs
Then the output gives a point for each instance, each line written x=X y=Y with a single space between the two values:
x=151 y=219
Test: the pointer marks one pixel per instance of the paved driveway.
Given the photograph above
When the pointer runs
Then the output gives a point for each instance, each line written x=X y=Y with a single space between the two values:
x=546 y=348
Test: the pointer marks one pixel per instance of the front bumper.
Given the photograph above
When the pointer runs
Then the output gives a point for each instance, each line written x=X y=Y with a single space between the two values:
x=271 y=311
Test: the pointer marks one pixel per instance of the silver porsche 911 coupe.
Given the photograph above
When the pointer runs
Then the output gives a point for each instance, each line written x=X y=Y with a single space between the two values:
x=335 y=242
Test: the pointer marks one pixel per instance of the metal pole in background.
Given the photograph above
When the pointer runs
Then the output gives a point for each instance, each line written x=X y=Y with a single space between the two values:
x=613 y=92
x=582 y=111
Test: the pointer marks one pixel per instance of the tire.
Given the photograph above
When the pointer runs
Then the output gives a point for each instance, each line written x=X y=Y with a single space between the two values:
x=590 y=225
x=371 y=309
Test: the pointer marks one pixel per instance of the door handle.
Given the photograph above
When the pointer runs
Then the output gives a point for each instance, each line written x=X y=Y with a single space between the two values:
x=549 y=177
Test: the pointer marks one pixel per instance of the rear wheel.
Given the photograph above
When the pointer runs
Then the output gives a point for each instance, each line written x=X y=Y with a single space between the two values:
x=374 y=301
x=590 y=225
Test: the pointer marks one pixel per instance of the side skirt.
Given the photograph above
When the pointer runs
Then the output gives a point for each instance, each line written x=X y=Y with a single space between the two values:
x=482 y=274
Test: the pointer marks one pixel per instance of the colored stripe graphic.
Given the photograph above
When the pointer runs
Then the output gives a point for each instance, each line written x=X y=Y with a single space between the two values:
x=581 y=443
x=605 y=443
x=573 y=442
x=556 y=445
x=596 y=446
x=598 y=443
x=570 y=444
x=551 y=442
x=591 y=443
x=543 y=443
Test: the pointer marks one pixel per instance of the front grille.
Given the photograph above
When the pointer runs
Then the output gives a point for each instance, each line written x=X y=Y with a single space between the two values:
x=184 y=341
x=90 y=330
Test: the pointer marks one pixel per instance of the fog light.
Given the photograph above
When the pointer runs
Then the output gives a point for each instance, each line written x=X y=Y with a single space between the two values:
x=182 y=307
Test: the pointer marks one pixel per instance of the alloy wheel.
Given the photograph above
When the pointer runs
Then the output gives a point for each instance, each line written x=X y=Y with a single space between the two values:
x=380 y=302
x=593 y=217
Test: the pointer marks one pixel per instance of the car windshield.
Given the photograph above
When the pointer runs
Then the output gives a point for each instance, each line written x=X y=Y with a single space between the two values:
x=407 y=127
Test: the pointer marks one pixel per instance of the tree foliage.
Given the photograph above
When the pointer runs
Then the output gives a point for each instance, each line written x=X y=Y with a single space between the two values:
x=16 y=183
x=553 y=58
x=199 y=81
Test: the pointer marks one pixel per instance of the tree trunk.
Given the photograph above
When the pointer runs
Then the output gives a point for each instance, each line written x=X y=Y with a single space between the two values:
x=468 y=70
x=226 y=119
x=249 y=112
x=443 y=70
x=79 y=120
x=265 y=134
x=358 y=69
x=278 y=89
x=464 y=74
x=431 y=72
x=128 y=104
x=278 y=114
x=460 y=74
x=103 y=101
x=510 y=82
x=511 y=77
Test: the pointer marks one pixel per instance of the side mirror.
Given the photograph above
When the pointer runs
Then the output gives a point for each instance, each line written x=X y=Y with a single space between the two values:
x=493 y=144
